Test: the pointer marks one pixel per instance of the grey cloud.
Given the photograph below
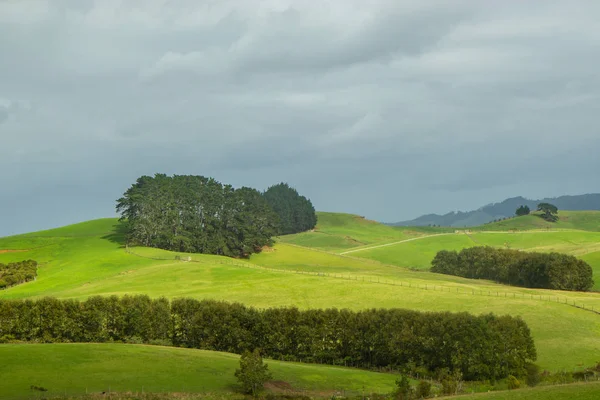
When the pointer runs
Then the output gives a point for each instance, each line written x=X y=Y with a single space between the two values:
x=386 y=108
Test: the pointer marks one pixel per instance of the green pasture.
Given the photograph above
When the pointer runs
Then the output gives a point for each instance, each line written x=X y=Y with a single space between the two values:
x=417 y=254
x=76 y=264
x=575 y=391
x=335 y=231
x=76 y=368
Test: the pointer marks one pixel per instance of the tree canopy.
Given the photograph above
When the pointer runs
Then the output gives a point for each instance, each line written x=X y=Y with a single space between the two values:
x=534 y=270
x=523 y=210
x=296 y=213
x=549 y=211
x=196 y=214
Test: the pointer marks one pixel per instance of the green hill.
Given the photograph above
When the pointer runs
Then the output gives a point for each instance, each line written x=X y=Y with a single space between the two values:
x=75 y=369
x=89 y=259
x=335 y=231
x=579 y=220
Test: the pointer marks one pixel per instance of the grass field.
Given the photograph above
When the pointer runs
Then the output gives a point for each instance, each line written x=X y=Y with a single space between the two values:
x=584 y=391
x=75 y=368
x=345 y=231
x=89 y=259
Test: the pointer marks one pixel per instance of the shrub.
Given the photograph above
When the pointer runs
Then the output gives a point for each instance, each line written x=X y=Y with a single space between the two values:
x=533 y=376
x=513 y=383
x=423 y=390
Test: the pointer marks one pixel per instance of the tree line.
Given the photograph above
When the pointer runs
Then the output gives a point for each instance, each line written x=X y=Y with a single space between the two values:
x=18 y=272
x=518 y=268
x=480 y=347
x=197 y=214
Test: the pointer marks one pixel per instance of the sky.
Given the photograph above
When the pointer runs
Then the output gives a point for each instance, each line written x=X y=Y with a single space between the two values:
x=384 y=108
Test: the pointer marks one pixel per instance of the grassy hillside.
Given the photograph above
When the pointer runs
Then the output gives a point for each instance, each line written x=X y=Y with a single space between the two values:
x=75 y=368
x=336 y=231
x=89 y=259
x=580 y=220
x=584 y=391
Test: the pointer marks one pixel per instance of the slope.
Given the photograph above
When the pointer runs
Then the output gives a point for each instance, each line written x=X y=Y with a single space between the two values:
x=75 y=369
x=78 y=264
x=335 y=231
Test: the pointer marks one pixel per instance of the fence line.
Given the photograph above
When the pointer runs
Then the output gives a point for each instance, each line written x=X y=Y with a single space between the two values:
x=386 y=281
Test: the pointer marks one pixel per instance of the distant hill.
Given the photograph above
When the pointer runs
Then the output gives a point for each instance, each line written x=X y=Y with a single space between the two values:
x=503 y=209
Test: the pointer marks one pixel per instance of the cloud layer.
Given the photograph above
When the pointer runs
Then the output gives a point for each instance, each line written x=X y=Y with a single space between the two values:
x=385 y=108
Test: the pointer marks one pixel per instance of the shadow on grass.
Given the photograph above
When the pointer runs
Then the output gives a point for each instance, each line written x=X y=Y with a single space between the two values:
x=118 y=235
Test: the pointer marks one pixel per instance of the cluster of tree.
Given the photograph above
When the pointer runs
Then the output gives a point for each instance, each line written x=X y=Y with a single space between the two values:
x=549 y=212
x=18 y=272
x=523 y=210
x=296 y=213
x=518 y=268
x=196 y=214
x=479 y=347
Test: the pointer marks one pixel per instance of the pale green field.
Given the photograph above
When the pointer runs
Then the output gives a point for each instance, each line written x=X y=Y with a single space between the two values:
x=582 y=391
x=75 y=368
x=336 y=231
x=78 y=264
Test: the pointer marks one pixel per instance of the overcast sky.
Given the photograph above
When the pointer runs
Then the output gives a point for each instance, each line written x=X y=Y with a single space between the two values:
x=383 y=108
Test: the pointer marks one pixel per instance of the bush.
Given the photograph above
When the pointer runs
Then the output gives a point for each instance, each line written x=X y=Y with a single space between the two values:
x=533 y=376
x=423 y=390
x=18 y=272
x=533 y=270
x=513 y=383
x=403 y=389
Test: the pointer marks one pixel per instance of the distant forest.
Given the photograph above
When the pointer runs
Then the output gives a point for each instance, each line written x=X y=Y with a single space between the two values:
x=198 y=214
x=514 y=267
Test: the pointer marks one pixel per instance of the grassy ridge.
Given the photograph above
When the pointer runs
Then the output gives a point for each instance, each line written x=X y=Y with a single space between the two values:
x=335 y=231
x=579 y=220
x=75 y=368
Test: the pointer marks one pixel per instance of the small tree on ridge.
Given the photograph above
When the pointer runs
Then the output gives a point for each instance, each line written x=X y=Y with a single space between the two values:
x=253 y=373
x=549 y=211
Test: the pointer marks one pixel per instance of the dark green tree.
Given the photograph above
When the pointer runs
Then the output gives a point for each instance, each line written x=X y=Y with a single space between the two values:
x=523 y=210
x=423 y=390
x=549 y=211
x=296 y=213
x=403 y=390
x=253 y=373
x=196 y=214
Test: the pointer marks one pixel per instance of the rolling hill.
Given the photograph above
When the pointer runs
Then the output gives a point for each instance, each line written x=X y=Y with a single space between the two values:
x=73 y=369
x=346 y=262
x=503 y=209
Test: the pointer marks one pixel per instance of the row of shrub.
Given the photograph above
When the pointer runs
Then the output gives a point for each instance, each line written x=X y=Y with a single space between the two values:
x=18 y=272
x=480 y=347
x=518 y=268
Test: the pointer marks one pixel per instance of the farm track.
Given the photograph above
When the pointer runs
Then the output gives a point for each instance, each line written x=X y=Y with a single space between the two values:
x=469 y=234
